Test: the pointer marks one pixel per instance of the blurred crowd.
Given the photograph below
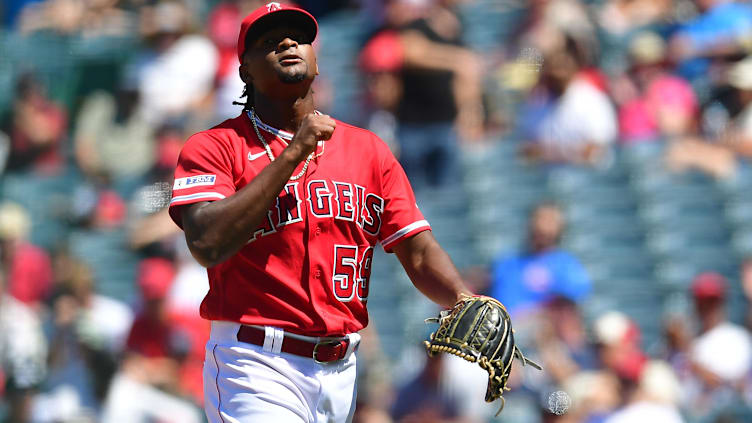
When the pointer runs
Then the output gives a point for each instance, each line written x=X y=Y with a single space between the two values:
x=571 y=82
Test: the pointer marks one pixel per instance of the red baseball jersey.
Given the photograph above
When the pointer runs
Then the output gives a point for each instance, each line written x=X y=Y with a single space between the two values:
x=306 y=267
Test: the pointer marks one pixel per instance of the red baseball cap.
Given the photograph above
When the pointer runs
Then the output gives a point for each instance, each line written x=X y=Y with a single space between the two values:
x=383 y=53
x=709 y=285
x=275 y=13
x=155 y=276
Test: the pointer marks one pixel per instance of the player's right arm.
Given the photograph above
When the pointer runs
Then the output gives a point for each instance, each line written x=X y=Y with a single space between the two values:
x=216 y=230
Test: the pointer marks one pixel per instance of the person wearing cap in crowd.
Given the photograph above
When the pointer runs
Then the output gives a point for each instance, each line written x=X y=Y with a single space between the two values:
x=151 y=332
x=148 y=385
x=722 y=353
x=27 y=267
x=653 y=103
x=284 y=205
x=738 y=135
x=381 y=62
x=618 y=342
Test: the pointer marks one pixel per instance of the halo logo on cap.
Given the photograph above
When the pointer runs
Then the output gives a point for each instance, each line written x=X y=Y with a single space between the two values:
x=271 y=7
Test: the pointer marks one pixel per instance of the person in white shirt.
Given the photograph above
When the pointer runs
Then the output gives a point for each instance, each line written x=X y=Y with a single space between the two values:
x=720 y=357
x=23 y=355
x=655 y=399
x=571 y=119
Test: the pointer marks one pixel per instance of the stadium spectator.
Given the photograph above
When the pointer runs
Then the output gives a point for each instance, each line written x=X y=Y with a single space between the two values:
x=548 y=22
x=422 y=400
x=678 y=339
x=653 y=103
x=36 y=127
x=147 y=386
x=23 y=352
x=151 y=232
x=375 y=392
x=655 y=399
x=619 y=347
x=727 y=130
x=720 y=30
x=87 y=18
x=621 y=18
x=381 y=62
x=114 y=142
x=441 y=96
x=189 y=287
x=86 y=335
x=737 y=135
x=527 y=280
x=595 y=394
x=176 y=73
x=103 y=322
x=569 y=118
x=721 y=354
x=562 y=341
x=223 y=26
x=746 y=280
x=27 y=267
x=151 y=335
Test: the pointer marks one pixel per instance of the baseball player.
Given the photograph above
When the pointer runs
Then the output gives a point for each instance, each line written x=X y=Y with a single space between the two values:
x=284 y=205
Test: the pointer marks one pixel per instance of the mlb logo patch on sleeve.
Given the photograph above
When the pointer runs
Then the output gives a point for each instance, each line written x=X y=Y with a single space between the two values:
x=194 y=181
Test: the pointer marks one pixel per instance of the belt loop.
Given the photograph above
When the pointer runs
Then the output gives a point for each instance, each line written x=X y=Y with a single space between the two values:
x=354 y=339
x=279 y=335
x=268 y=338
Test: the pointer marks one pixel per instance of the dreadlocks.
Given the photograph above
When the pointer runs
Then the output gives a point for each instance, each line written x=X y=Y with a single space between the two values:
x=248 y=94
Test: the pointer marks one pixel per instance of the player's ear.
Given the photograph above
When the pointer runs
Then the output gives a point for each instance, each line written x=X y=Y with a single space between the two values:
x=244 y=75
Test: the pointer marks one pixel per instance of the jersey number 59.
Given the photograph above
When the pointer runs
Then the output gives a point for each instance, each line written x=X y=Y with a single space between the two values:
x=352 y=269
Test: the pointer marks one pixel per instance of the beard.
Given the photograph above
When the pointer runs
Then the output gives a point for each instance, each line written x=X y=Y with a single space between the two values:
x=295 y=76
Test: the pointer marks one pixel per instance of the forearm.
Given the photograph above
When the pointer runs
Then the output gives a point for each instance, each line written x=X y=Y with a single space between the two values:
x=469 y=103
x=217 y=230
x=422 y=53
x=431 y=270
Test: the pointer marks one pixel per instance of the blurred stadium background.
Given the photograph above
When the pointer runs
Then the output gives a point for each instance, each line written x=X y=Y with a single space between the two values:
x=632 y=117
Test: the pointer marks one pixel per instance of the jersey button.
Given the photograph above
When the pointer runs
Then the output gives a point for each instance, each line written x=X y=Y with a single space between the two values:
x=317 y=274
x=317 y=231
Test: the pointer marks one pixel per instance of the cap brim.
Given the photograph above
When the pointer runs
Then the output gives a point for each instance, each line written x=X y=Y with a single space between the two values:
x=294 y=18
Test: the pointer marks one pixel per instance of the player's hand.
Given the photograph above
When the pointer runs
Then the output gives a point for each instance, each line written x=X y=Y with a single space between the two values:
x=313 y=128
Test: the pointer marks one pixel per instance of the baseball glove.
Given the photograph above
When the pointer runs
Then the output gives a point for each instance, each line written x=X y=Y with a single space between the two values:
x=479 y=330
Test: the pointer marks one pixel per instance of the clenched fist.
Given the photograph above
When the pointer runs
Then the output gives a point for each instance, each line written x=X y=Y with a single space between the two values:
x=313 y=128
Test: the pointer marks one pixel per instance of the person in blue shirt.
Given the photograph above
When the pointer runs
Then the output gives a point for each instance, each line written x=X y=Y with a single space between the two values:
x=721 y=29
x=529 y=279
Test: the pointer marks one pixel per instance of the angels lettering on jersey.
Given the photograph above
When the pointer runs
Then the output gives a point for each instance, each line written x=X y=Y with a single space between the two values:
x=325 y=200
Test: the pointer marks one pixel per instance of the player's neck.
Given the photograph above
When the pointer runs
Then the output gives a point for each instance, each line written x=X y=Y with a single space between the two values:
x=284 y=114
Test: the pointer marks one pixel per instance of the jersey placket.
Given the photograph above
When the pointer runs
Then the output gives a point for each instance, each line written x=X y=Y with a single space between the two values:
x=314 y=226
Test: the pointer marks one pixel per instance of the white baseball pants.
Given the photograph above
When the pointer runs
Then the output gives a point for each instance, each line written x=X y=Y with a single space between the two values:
x=246 y=383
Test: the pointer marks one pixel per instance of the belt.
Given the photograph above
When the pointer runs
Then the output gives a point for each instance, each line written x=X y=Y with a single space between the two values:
x=321 y=352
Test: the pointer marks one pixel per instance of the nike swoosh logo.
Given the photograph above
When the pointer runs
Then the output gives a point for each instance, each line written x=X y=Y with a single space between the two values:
x=253 y=157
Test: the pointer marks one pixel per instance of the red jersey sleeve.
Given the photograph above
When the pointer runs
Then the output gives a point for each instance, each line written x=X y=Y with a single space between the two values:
x=203 y=173
x=401 y=217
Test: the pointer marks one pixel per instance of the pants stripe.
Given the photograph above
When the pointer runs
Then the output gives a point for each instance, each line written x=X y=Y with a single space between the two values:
x=216 y=384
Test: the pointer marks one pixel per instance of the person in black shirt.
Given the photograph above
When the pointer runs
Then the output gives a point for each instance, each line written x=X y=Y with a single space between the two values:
x=441 y=99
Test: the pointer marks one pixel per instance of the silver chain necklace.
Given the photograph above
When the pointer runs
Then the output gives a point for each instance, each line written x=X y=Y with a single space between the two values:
x=269 y=149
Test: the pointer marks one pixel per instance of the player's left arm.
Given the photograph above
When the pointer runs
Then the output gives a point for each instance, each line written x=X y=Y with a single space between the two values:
x=430 y=269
